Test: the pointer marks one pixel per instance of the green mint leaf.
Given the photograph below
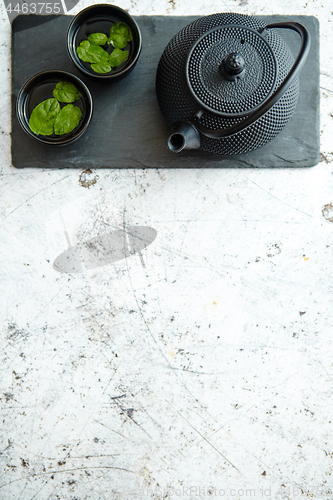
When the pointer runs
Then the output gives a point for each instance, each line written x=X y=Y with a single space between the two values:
x=66 y=92
x=82 y=51
x=120 y=35
x=118 y=56
x=101 y=67
x=119 y=41
x=92 y=53
x=121 y=29
x=68 y=118
x=97 y=39
x=97 y=54
x=43 y=117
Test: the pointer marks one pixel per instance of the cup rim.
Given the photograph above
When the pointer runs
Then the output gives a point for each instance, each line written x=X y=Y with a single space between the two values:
x=24 y=92
x=72 y=50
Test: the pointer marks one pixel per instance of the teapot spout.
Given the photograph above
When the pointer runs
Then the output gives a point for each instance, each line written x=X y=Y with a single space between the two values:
x=183 y=135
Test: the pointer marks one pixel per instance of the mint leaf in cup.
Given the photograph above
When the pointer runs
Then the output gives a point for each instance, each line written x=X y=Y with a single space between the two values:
x=119 y=41
x=91 y=53
x=117 y=57
x=97 y=54
x=43 y=116
x=120 y=35
x=98 y=38
x=66 y=92
x=67 y=119
x=101 y=67
x=82 y=51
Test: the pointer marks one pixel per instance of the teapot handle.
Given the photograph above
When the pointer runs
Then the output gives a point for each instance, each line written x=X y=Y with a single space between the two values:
x=293 y=73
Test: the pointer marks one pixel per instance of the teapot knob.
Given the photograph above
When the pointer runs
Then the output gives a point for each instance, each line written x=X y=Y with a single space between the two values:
x=232 y=66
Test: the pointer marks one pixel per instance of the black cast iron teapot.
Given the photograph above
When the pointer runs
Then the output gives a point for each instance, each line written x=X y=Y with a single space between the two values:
x=228 y=83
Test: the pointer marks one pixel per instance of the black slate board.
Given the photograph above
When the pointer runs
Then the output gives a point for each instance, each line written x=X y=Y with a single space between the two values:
x=127 y=129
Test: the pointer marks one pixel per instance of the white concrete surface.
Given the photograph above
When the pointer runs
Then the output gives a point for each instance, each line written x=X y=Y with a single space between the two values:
x=206 y=373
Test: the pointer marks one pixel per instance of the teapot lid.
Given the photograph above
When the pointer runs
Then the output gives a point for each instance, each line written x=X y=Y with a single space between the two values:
x=231 y=70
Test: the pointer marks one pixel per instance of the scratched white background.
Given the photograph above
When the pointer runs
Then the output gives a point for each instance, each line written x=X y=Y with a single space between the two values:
x=206 y=373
